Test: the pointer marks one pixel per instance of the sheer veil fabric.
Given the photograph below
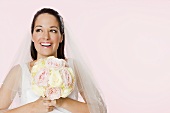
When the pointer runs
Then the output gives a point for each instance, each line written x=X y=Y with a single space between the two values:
x=85 y=81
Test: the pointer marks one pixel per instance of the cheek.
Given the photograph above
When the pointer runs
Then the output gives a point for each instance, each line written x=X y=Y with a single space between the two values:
x=56 y=39
x=35 y=38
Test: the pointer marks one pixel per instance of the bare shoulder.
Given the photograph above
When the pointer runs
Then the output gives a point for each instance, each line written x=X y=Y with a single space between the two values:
x=13 y=76
x=15 y=71
x=16 y=68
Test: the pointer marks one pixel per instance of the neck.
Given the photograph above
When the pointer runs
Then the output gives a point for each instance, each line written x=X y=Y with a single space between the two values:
x=45 y=56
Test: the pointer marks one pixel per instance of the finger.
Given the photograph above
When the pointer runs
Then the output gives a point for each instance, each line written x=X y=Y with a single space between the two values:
x=47 y=104
x=46 y=101
x=50 y=109
x=53 y=102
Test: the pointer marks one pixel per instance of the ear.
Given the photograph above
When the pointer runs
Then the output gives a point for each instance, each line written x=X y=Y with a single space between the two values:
x=32 y=39
x=61 y=38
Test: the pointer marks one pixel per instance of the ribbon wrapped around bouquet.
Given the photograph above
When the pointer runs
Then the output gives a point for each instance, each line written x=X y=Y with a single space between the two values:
x=52 y=78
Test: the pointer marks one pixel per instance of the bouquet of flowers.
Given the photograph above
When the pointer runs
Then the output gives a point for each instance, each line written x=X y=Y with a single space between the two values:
x=52 y=78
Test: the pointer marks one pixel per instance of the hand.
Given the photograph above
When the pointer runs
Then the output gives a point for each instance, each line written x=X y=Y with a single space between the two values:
x=42 y=105
x=57 y=102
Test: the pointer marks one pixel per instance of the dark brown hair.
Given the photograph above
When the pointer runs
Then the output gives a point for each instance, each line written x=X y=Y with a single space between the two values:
x=60 y=50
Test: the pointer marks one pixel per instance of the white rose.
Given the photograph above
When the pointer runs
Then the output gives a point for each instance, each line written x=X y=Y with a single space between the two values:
x=55 y=79
x=38 y=90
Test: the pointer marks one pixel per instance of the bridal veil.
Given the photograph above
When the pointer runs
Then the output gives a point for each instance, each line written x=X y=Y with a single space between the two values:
x=85 y=80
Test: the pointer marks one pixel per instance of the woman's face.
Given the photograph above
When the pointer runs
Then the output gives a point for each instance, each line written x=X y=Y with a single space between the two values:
x=46 y=35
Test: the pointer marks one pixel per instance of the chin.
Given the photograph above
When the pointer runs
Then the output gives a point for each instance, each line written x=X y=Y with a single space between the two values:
x=47 y=54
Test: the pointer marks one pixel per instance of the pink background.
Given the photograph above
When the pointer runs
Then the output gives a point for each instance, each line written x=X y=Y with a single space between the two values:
x=127 y=42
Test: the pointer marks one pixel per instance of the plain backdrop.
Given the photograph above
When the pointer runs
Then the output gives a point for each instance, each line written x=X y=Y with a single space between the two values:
x=126 y=41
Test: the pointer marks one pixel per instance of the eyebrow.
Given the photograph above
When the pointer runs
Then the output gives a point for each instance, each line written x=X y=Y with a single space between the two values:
x=54 y=27
x=50 y=27
x=38 y=26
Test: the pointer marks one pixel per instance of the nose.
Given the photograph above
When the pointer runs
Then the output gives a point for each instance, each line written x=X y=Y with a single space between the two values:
x=46 y=35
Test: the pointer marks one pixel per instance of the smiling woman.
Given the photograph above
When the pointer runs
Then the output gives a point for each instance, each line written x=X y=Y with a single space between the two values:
x=48 y=38
x=46 y=35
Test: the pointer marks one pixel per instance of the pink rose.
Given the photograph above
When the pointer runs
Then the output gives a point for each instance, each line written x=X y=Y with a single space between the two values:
x=55 y=63
x=66 y=76
x=53 y=93
x=41 y=78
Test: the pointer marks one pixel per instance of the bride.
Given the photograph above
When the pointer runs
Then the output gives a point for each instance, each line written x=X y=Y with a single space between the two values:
x=48 y=39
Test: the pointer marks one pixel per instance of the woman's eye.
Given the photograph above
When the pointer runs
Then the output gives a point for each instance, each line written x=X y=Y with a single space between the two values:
x=38 y=30
x=53 y=31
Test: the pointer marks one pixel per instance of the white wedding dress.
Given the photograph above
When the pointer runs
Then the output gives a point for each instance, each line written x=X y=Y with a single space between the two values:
x=27 y=95
x=84 y=84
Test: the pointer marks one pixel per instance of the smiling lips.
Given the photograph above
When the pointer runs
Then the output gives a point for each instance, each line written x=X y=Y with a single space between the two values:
x=45 y=44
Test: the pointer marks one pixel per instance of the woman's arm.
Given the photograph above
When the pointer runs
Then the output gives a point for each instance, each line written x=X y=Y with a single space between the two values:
x=8 y=91
x=23 y=109
x=73 y=106
x=10 y=87
x=39 y=106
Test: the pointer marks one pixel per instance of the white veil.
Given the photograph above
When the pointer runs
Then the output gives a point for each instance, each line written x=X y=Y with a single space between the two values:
x=13 y=80
x=85 y=81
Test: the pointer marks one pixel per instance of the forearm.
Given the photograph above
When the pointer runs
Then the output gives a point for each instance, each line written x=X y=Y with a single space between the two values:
x=74 y=106
x=28 y=108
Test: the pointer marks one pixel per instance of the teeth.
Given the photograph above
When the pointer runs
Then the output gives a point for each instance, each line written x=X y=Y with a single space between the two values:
x=45 y=44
